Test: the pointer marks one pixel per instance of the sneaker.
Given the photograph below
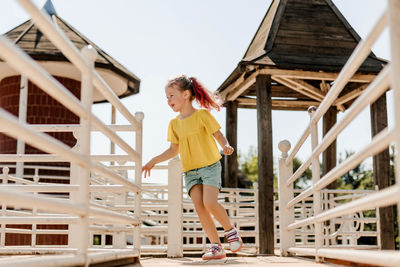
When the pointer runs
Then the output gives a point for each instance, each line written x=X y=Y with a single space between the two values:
x=234 y=240
x=214 y=252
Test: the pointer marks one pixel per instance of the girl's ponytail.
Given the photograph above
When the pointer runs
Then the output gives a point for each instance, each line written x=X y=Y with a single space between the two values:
x=204 y=97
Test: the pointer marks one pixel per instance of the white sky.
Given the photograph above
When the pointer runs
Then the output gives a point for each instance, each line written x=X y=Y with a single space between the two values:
x=158 y=39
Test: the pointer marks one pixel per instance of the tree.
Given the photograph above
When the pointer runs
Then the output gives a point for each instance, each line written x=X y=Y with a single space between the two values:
x=359 y=177
x=305 y=178
x=248 y=165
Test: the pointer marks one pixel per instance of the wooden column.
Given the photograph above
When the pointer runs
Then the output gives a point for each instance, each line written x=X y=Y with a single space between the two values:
x=381 y=167
x=329 y=155
x=231 y=163
x=265 y=164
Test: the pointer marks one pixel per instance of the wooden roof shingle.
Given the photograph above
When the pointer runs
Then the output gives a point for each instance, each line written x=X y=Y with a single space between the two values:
x=309 y=35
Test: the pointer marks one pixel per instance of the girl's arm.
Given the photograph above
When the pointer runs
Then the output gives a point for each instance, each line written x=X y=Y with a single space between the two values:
x=223 y=142
x=167 y=154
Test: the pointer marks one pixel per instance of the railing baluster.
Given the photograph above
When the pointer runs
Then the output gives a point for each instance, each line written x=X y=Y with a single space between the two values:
x=22 y=113
x=34 y=210
x=89 y=54
x=119 y=238
x=138 y=178
x=175 y=220
x=4 y=177
x=257 y=227
x=286 y=215
x=315 y=168
x=394 y=33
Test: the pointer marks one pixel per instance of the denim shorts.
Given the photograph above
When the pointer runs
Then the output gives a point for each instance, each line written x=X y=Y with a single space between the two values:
x=209 y=175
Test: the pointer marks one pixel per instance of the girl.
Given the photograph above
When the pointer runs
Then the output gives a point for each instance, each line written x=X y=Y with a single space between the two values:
x=191 y=134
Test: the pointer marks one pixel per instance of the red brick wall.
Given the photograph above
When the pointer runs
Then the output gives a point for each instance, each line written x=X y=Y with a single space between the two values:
x=42 y=109
x=9 y=100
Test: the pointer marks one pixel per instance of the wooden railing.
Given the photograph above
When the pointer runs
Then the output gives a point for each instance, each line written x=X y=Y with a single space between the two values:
x=289 y=224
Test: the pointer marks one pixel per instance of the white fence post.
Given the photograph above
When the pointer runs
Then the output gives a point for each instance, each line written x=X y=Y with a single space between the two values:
x=34 y=211
x=175 y=209
x=256 y=223
x=4 y=178
x=22 y=113
x=394 y=33
x=138 y=179
x=119 y=238
x=73 y=229
x=286 y=215
x=315 y=168
x=80 y=235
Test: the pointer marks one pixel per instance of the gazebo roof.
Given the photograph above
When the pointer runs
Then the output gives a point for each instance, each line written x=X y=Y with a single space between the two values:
x=306 y=35
x=29 y=38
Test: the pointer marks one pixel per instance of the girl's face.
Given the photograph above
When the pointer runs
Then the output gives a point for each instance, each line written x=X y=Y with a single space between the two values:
x=176 y=97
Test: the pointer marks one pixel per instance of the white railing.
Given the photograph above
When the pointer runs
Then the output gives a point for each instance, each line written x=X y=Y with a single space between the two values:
x=388 y=77
x=171 y=224
x=82 y=205
x=241 y=204
x=348 y=231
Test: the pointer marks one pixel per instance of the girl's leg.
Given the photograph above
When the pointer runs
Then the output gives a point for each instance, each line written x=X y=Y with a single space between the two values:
x=210 y=201
x=196 y=193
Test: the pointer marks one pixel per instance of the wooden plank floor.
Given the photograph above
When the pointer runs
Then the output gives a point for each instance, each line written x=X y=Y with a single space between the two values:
x=258 y=261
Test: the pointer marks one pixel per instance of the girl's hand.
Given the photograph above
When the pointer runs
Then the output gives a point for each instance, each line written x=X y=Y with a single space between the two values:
x=227 y=150
x=147 y=168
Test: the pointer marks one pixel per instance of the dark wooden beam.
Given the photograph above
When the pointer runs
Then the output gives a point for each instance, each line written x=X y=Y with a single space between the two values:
x=244 y=106
x=278 y=90
x=278 y=104
x=231 y=163
x=265 y=164
x=329 y=155
x=381 y=167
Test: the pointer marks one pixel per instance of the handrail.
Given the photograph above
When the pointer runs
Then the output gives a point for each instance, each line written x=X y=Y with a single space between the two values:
x=289 y=227
x=75 y=204
x=55 y=158
x=371 y=93
x=29 y=201
x=360 y=53
x=385 y=197
x=22 y=62
x=75 y=127
x=54 y=146
x=378 y=143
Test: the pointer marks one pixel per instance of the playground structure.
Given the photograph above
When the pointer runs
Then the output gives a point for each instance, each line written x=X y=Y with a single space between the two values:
x=125 y=218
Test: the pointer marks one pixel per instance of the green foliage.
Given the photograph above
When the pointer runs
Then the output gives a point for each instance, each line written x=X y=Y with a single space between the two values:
x=248 y=164
x=358 y=178
x=305 y=179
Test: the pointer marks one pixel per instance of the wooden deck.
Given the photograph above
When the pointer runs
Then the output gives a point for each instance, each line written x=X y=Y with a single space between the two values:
x=161 y=260
x=232 y=261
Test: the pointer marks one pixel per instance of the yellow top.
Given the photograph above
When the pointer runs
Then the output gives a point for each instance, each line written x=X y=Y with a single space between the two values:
x=194 y=135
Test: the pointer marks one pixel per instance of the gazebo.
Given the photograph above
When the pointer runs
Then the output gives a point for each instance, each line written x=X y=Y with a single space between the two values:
x=291 y=63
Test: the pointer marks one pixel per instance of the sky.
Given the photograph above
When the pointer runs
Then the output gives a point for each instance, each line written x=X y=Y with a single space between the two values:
x=159 y=39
